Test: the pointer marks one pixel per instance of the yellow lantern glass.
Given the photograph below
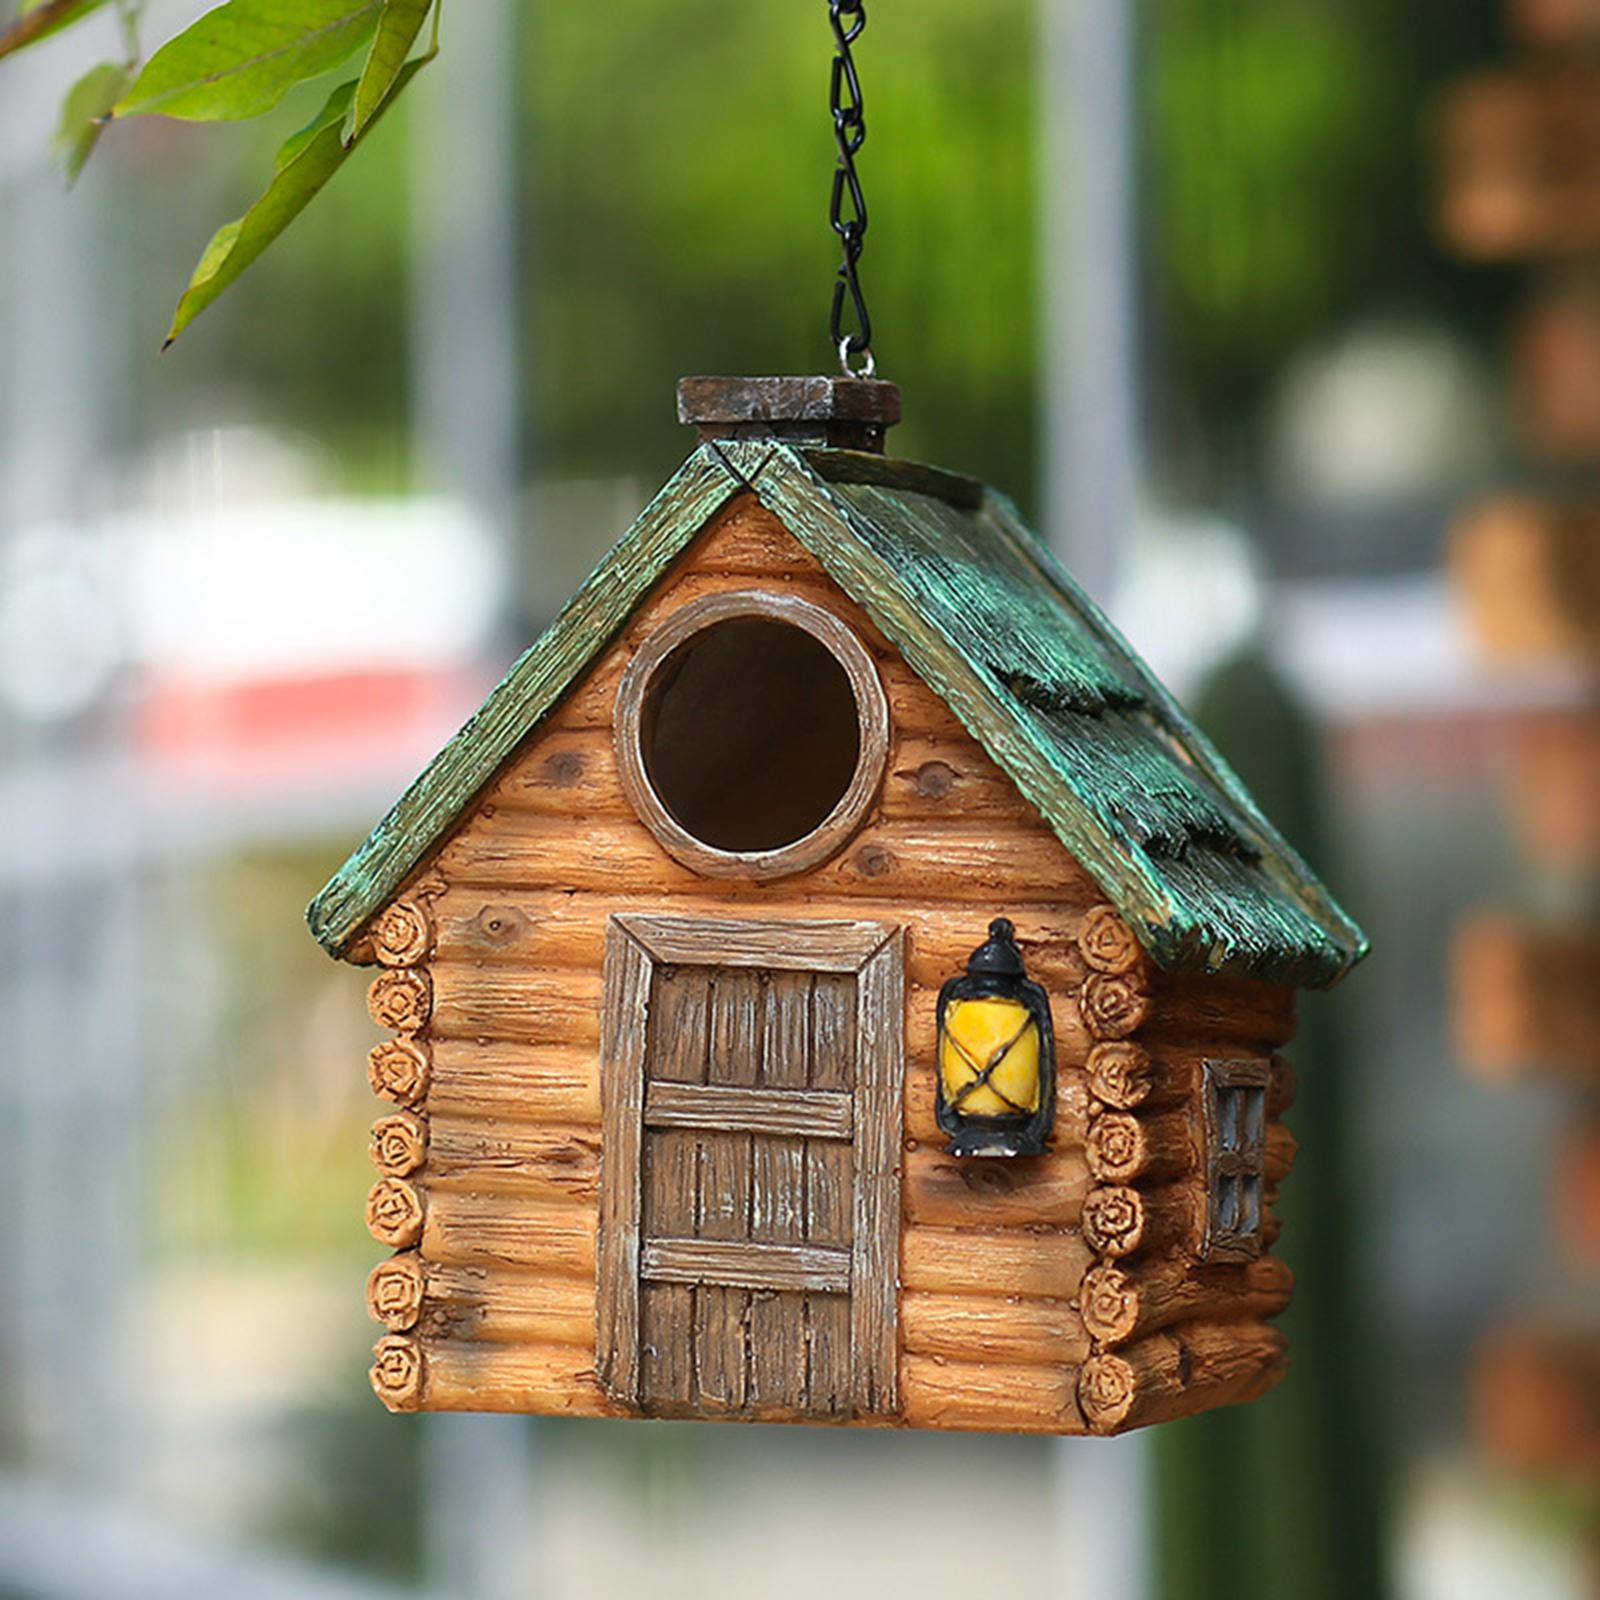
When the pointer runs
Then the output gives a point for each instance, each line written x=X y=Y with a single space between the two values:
x=996 y=1085
x=989 y=1057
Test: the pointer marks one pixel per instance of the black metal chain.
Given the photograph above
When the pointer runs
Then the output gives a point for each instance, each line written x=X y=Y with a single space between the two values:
x=848 y=211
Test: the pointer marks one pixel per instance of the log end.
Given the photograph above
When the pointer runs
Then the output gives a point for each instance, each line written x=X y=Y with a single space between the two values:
x=1107 y=1385
x=398 y=1070
x=1113 y=1005
x=400 y=999
x=1119 y=1074
x=1117 y=1150
x=395 y=1290
x=1109 y=1299
x=1114 y=1220
x=394 y=1213
x=399 y=1144
x=397 y=1372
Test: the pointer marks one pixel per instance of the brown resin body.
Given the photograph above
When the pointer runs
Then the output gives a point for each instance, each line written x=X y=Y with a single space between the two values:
x=1064 y=1293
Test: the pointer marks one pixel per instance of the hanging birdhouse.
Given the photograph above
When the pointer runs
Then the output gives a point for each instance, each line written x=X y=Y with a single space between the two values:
x=830 y=980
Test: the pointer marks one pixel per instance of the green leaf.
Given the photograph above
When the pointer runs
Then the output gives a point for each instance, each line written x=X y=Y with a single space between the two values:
x=398 y=28
x=40 y=20
x=84 y=111
x=304 y=166
x=241 y=58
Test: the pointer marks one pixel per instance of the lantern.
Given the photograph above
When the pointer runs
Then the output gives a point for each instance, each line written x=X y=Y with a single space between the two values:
x=997 y=1054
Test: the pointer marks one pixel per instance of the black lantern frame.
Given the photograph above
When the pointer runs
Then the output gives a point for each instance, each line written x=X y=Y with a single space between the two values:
x=995 y=970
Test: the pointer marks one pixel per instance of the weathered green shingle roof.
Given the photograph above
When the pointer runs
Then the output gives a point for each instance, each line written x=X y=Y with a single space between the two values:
x=985 y=616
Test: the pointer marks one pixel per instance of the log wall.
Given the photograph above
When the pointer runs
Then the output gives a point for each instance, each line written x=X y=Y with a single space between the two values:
x=490 y=1158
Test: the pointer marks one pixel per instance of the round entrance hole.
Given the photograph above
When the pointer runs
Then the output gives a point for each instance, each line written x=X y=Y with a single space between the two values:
x=752 y=731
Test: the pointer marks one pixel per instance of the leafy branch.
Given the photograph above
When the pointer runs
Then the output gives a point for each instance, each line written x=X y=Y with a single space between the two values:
x=236 y=61
x=40 y=21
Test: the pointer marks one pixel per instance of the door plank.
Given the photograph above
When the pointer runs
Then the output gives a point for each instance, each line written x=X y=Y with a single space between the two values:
x=743 y=1264
x=625 y=990
x=777 y=1351
x=678 y=1018
x=717 y=941
x=721 y=1348
x=833 y=1031
x=875 y=1265
x=666 y=1310
x=786 y=1046
x=724 y=1188
x=778 y=1191
x=666 y=1345
x=830 y=1192
x=828 y=1385
x=823 y=1114
x=736 y=1016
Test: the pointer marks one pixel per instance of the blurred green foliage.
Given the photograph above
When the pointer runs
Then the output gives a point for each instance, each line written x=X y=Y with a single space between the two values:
x=680 y=161
x=674 y=162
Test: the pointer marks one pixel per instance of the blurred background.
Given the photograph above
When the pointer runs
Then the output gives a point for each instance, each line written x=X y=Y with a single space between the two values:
x=1280 y=317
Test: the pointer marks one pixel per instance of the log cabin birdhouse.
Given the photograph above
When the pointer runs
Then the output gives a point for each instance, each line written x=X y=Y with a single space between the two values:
x=830 y=980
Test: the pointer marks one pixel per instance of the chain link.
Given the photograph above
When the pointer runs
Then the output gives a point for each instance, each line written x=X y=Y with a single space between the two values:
x=848 y=210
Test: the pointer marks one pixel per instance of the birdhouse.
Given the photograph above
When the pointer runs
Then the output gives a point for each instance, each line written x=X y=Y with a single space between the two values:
x=830 y=980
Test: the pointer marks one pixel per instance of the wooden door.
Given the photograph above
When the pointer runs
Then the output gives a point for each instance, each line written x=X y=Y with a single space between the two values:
x=750 y=1192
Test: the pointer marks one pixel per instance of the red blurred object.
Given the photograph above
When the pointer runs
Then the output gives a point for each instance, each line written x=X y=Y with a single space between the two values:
x=276 y=733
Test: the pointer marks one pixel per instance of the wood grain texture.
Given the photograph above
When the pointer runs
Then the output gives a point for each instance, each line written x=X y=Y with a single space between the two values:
x=506 y=1305
x=880 y=1072
x=1124 y=1301
x=1186 y=1011
x=1048 y=1264
x=959 y=862
x=395 y=1290
x=553 y=1380
x=622 y=1056
x=771 y=1100
x=398 y=1070
x=400 y=999
x=807 y=945
x=819 y=1113
x=525 y=1006
x=501 y=1230
x=1185 y=1370
x=1026 y=1193
x=1147 y=778
x=399 y=1144
x=1125 y=1075
x=921 y=1125
x=1123 y=1148
x=925 y=779
x=540 y=1163
x=1121 y=1221
x=746 y=1264
x=560 y=929
x=990 y=1398
x=993 y=1329
x=394 y=1212
x=511 y=1082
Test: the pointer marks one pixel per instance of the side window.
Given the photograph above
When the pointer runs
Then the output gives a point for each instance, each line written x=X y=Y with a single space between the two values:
x=1236 y=1146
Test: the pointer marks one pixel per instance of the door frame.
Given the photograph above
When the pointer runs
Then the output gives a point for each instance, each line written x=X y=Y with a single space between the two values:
x=875 y=953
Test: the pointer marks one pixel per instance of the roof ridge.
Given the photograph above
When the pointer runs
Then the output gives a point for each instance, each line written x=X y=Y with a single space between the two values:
x=982 y=612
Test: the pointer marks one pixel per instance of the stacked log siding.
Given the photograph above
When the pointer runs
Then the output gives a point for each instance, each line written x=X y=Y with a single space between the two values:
x=493 y=982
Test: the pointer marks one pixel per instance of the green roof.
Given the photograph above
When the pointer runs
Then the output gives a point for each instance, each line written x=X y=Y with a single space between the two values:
x=987 y=618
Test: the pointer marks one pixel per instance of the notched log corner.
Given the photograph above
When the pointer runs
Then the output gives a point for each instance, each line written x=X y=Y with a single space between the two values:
x=397 y=1372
